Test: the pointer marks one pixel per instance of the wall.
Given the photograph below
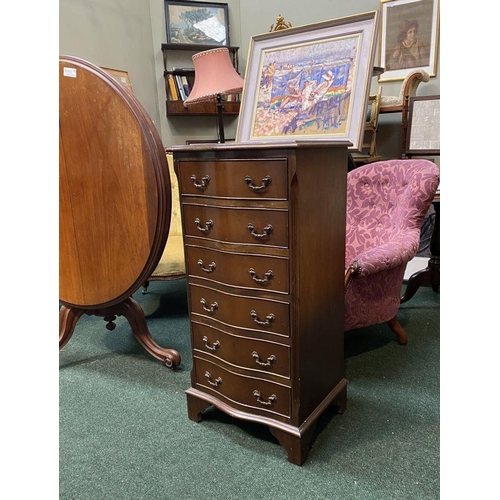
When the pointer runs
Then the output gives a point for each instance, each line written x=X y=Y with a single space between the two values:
x=115 y=34
x=127 y=34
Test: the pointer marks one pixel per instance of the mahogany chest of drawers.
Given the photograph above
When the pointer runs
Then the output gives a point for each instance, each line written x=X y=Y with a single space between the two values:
x=264 y=239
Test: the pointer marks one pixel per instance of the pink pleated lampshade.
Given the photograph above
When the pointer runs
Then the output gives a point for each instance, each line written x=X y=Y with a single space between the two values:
x=214 y=74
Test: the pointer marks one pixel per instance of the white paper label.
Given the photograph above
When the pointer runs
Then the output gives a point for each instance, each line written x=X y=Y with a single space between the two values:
x=71 y=72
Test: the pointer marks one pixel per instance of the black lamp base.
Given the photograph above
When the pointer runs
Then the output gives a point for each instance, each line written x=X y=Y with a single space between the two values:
x=220 y=123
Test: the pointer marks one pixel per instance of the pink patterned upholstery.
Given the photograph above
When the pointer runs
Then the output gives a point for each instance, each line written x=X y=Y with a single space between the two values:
x=386 y=205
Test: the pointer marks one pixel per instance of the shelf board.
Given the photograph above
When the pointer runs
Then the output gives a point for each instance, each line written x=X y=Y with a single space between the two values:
x=195 y=47
x=176 y=108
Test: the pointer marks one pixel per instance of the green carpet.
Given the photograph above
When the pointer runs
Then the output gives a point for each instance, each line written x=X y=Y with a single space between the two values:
x=125 y=433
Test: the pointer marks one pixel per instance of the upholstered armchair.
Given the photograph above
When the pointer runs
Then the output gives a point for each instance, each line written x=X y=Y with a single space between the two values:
x=171 y=265
x=386 y=205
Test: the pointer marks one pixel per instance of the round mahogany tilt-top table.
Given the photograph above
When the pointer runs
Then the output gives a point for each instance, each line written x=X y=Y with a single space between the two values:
x=114 y=202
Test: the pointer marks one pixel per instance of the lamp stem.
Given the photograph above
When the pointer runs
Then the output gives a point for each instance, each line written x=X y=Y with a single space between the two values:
x=219 y=119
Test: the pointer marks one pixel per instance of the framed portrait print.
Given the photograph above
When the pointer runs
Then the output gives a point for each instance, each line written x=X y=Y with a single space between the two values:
x=423 y=137
x=409 y=36
x=310 y=82
x=205 y=23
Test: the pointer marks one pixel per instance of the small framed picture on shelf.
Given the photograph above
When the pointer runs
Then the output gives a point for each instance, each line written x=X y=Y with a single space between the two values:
x=205 y=23
x=409 y=35
x=310 y=83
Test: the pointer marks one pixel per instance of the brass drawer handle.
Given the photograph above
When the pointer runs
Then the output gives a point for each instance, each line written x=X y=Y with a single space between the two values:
x=270 y=359
x=267 y=276
x=204 y=181
x=265 y=182
x=269 y=319
x=270 y=400
x=213 y=307
x=267 y=231
x=212 y=347
x=210 y=269
x=208 y=225
x=216 y=382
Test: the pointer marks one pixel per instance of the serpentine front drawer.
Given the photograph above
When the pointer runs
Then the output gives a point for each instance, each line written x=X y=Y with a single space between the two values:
x=261 y=272
x=244 y=351
x=241 y=179
x=237 y=225
x=242 y=391
x=248 y=313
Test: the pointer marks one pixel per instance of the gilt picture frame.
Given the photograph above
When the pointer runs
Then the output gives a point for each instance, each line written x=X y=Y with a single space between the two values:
x=199 y=23
x=409 y=38
x=309 y=83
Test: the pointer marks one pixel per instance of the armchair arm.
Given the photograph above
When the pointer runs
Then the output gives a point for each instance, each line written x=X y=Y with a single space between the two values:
x=399 y=250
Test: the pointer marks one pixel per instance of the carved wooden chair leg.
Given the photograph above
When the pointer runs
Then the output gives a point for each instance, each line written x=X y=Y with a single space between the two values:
x=398 y=330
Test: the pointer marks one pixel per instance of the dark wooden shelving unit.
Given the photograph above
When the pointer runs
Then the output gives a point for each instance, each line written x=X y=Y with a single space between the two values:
x=176 y=107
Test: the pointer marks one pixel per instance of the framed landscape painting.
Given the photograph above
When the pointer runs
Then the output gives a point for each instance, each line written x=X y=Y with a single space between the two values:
x=205 y=23
x=310 y=82
x=409 y=37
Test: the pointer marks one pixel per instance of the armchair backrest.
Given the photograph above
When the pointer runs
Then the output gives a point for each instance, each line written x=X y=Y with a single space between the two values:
x=391 y=104
x=175 y=218
x=387 y=200
x=411 y=82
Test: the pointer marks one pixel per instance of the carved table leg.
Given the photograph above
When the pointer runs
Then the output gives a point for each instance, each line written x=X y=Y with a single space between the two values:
x=418 y=279
x=435 y=250
x=68 y=317
x=430 y=276
x=131 y=310
x=296 y=447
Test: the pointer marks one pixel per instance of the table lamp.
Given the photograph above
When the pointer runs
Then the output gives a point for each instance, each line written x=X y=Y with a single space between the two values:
x=215 y=76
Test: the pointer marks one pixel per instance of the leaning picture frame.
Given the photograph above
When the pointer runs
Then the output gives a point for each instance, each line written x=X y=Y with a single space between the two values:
x=309 y=82
x=199 y=23
x=122 y=76
x=409 y=37
x=424 y=120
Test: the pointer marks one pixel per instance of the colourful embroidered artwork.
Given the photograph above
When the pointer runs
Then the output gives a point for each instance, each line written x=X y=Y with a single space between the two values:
x=306 y=89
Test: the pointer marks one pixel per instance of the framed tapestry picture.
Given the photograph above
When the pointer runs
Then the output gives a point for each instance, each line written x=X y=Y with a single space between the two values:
x=424 y=119
x=409 y=36
x=205 y=23
x=310 y=82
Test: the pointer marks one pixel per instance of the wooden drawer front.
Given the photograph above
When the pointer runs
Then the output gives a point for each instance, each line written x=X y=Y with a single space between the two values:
x=237 y=225
x=247 y=391
x=259 y=355
x=269 y=316
x=238 y=269
x=264 y=179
